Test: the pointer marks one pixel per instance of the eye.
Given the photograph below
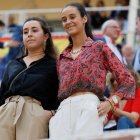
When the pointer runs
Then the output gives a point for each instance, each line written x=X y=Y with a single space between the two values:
x=72 y=16
x=25 y=32
x=64 y=19
x=35 y=30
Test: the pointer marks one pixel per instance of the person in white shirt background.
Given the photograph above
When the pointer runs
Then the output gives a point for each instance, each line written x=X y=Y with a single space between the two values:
x=111 y=32
x=136 y=61
x=128 y=54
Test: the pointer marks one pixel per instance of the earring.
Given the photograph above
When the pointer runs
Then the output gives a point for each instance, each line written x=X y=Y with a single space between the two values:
x=44 y=45
x=25 y=51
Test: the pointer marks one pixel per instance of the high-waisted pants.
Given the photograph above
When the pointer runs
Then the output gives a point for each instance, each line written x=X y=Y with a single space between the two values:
x=77 y=117
x=23 y=118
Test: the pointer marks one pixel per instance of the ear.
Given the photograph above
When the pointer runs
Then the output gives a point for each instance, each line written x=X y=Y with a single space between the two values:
x=85 y=19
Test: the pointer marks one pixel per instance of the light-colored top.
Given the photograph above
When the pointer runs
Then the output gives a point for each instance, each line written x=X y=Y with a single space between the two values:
x=113 y=48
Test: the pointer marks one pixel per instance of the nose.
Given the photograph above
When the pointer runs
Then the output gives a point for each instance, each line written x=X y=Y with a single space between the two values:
x=119 y=29
x=29 y=33
x=68 y=21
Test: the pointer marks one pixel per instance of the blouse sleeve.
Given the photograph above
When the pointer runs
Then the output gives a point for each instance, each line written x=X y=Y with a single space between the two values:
x=125 y=81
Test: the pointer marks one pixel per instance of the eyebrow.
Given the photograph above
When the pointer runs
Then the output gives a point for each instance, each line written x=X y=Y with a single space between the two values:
x=31 y=27
x=69 y=14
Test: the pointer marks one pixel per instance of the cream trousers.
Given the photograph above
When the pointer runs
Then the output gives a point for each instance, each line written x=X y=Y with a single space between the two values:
x=77 y=117
x=23 y=118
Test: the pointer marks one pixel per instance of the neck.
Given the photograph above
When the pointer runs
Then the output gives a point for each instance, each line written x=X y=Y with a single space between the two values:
x=79 y=40
x=36 y=54
x=113 y=42
x=110 y=39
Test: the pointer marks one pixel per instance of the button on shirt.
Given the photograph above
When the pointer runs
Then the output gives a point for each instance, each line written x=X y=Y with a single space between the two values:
x=88 y=71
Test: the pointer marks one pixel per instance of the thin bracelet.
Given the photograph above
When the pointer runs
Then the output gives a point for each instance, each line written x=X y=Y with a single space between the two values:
x=112 y=106
x=114 y=110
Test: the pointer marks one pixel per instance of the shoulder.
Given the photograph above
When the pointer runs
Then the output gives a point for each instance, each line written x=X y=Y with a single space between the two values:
x=12 y=65
x=49 y=60
x=99 y=44
x=14 y=62
x=100 y=39
x=101 y=49
x=49 y=63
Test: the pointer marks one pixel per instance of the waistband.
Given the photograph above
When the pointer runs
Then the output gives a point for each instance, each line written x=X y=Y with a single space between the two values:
x=18 y=97
x=20 y=101
x=86 y=95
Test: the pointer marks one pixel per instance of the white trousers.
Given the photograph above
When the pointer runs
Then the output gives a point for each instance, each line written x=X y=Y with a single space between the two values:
x=77 y=117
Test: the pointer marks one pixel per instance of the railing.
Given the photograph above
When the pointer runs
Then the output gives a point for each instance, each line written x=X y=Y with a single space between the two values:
x=129 y=134
x=24 y=13
x=132 y=8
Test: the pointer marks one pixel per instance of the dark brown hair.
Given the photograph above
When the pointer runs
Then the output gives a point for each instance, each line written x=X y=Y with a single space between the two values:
x=49 y=48
x=83 y=13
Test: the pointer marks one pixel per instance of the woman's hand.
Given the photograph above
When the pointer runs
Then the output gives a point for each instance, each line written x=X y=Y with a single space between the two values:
x=104 y=108
x=48 y=114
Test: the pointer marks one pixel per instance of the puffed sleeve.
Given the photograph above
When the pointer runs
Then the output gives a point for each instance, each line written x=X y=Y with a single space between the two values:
x=125 y=81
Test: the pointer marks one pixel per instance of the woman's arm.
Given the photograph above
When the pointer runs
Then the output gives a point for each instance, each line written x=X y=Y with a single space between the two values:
x=125 y=81
x=134 y=116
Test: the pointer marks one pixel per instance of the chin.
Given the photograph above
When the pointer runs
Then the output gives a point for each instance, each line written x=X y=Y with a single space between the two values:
x=71 y=33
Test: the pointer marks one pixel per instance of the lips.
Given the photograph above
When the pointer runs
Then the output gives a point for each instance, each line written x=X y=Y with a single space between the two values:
x=29 y=41
x=69 y=27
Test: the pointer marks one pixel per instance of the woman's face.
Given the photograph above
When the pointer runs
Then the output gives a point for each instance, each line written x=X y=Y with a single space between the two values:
x=33 y=35
x=72 y=21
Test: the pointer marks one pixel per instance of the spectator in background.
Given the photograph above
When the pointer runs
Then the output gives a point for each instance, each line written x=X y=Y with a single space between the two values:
x=12 y=25
x=121 y=15
x=16 y=31
x=14 y=44
x=124 y=13
x=127 y=112
x=129 y=115
x=136 y=61
x=2 y=28
x=2 y=32
x=98 y=17
x=128 y=54
x=86 y=3
x=111 y=32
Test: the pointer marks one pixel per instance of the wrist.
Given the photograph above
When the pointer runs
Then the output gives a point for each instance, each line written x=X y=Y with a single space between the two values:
x=111 y=105
x=114 y=99
x=114 y=110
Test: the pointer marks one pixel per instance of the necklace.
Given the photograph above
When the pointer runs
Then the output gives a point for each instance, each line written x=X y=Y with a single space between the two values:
x=76 y=51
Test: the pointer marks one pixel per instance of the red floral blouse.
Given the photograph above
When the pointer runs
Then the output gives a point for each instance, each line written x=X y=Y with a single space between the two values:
x=88 y=71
